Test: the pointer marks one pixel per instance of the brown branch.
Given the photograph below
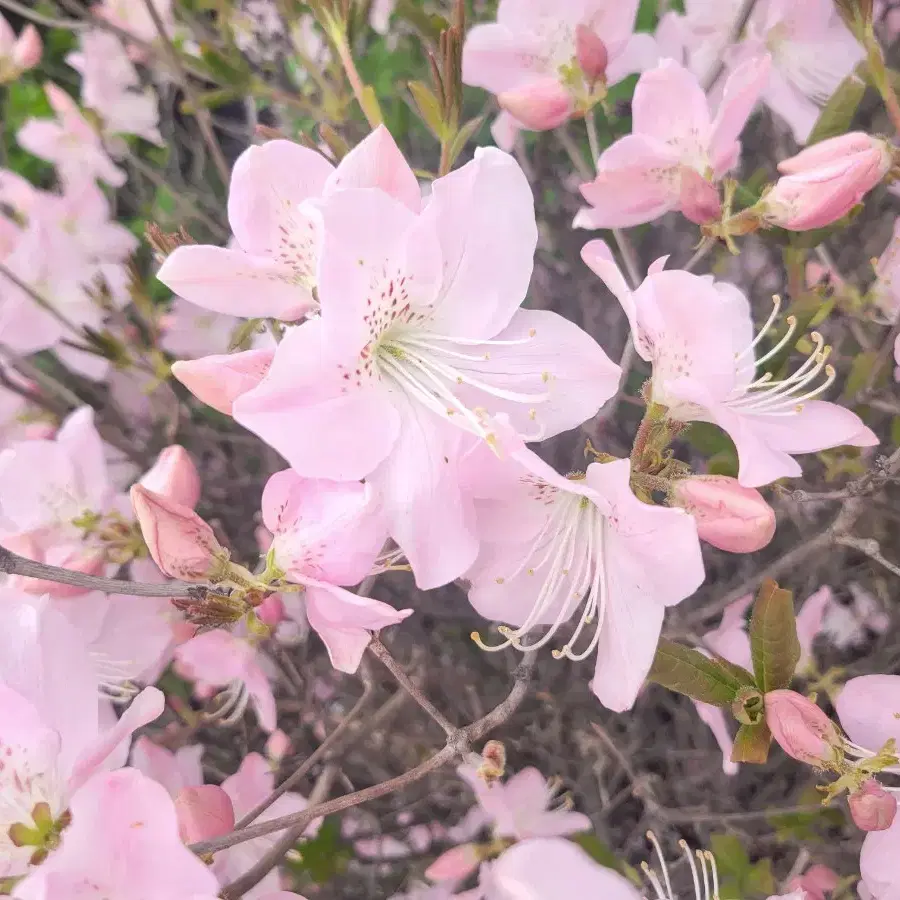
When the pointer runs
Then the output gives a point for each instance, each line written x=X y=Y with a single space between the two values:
x=13 y=564
x=458 y=744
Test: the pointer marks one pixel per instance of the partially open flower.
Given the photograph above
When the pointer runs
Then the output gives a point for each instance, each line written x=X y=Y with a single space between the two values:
x=204 y=812
x=180 y=542
x=802 y=730
x=872 y=807
x=174 y=476
x=591 y=52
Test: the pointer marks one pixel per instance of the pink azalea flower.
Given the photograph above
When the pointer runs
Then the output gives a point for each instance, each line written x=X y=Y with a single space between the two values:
x=123 y=844
x=407 y=360
x=220 y=659
x=812 y=50
x=273 y=269
x=554 y=548
x=252 y=783
x=110 y=86
x=878 y=863
x=50 y=718
x=886 y=290
x=521 y=807
x=135 y=18
x=69 y=142
x=823 y=183
x=18 y=53
x=529 y=57
x=174 y=771
x=327 y=534
x=699 y=337
x=654 y=169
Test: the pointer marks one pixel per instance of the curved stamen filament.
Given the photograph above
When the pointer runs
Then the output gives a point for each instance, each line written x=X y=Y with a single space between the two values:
x=776 y=308
x=694 y=874
x=792 y=327
x=232 y=704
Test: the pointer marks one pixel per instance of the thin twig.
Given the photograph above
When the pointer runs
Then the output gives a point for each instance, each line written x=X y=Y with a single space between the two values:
x=870 y=548
x=26 y=12
x=699 y=254
x=41 y=301
x=708 y=82
x=13 y=564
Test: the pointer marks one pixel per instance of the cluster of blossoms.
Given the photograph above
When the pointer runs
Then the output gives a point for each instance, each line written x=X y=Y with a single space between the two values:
x=392 y=365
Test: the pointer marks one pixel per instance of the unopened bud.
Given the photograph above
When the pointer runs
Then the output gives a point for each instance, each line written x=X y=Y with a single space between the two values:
x=28 y=49
x=816 y=882
x=493 y=764
x=204 y=812
x=591 y=53
x=180 y=542
x=872 y=807
x=277 y=746
x=728 y=515
x=454 y=865
x=174 y=476
x=699 y=200
x=540 y=106
x=802 y=730
x=219 y=380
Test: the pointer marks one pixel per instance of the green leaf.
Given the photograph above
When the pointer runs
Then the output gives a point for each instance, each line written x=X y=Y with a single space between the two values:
x=429 y=107
x=838 y=112
x=739 y=672
x=774 y=646
x=738 y=877
x=463 y=136
x=689 y=672
x=751 y=744
x=231 y=70
x=369 y=103
x=860 y=370
x=598 y=851
x=325 y=856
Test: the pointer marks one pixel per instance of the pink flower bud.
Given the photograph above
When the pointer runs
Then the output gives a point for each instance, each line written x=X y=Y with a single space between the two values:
x=816 y=881
x=802 y=730
x=872 y=807
x=699 y=200
x=271 y=611
x=278 y=745
x=28 y=49
x=455 y=864
x=204 y=812
x=180 y=542
x=539 y=106
x=728 y=515
x=174 y=476
x=824 y=182
x=219 y=380
x=591 y=53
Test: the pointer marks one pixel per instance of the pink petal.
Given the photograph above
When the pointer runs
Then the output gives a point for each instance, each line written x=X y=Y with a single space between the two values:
x=714 y=718
x=236 y=283
x=219 y=380
x=740 y=95
x=878 y=863
x=174 y=771
x=261 y=697
x=215 y=657
x=869 y=710
x=497 y=59
x=809 y=621
x=670 y=106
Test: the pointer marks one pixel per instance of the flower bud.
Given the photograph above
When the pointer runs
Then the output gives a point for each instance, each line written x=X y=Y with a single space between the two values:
x=203 y=812
x=816 y=881
x=591 y=53
x=174 y=476
x=28 y=49
x=728 y=515
x=539 y=106
x=277 y=746
x=872 y=807
x=699 y=200
x=454 y=865
x=180 y=542
x=218 y=381
x=802 y=730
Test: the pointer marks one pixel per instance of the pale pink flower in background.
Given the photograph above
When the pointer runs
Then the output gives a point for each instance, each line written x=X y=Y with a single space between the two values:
x=278 y=746
x=554 y=548
x=251 y=784
x=175 y=476
x=179 y=541
x=328 y=534
x=677 y=151
x=219 y=380
x=455 y=864
x=812 y=51
x=728 y=515
x=18 y=53
x=878 y=863
x=174 y=771
x=885 y=291
x=189 y=330
x=122 y=844
x=869 y=710
x=817 y=881
x=524 y=806
x=221 y=659
x=699 y=337
x=110 y=86
x=69 y=142
x=822 y=183
x=800 y=727
x=50 y=718
x=810 y=623
x=715 y=719
x=272 y=270
x=524 y=56
x=846 y=625
x=380 y=15
x=420 y=337
x=730 y=639
x=134 y=17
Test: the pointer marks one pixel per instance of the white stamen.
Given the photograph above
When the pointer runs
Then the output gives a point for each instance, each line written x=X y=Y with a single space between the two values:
x=232 y=704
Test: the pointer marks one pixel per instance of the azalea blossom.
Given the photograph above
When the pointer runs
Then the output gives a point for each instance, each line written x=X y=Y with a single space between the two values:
x=123 y=824
x=328 y=534
x=529 y=58
x=273 y=268
x=135 y=18
x=583 y=547
x=812 y=51
x=420 y=338
x=18 y=53
x=51 y=725
x=251 y=784
x=677 y=151
x=699 y=337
